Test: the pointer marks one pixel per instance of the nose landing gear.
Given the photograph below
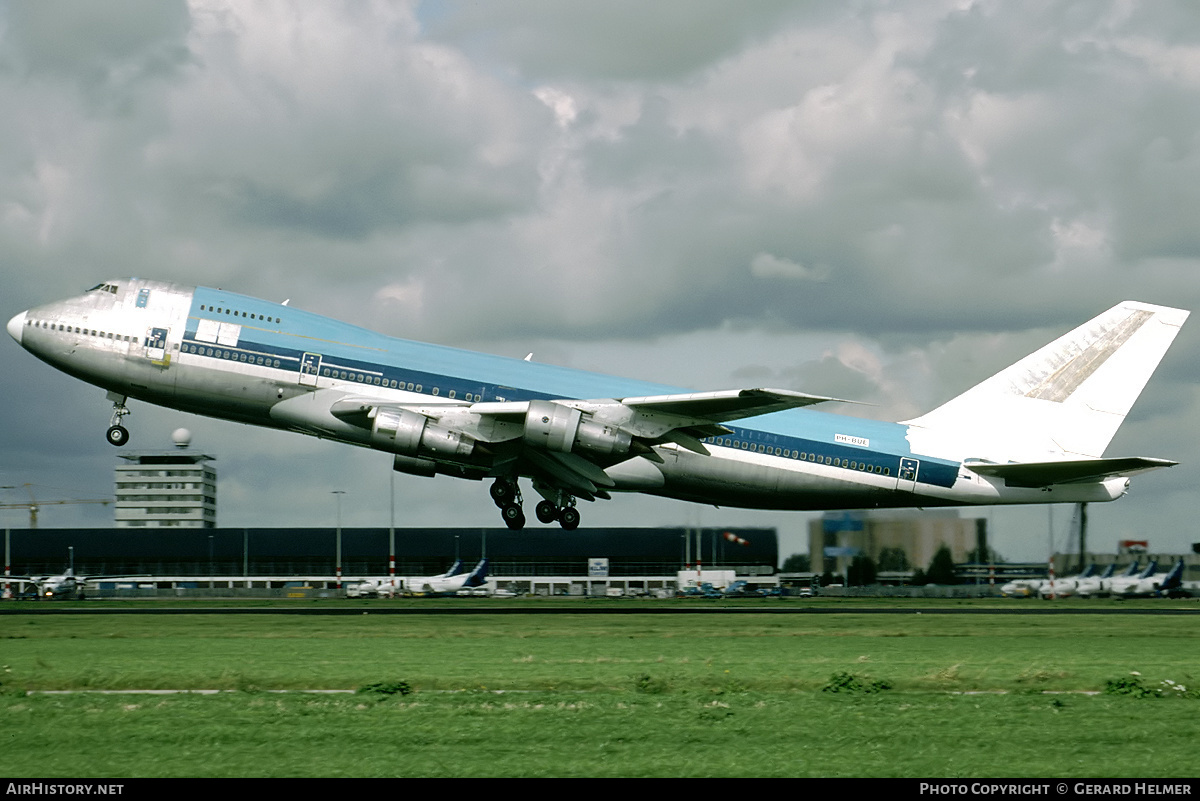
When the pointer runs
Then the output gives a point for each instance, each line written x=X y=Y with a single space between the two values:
x=117 y=434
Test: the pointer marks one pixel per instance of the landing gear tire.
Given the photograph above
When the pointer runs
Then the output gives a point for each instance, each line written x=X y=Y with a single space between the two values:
x=117 y=435
x=502 y=493
x=514 y=518
x=568 y=518
x=546 y=512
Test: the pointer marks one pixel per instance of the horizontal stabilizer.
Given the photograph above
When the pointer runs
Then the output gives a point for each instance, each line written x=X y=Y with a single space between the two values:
x=1080 y=471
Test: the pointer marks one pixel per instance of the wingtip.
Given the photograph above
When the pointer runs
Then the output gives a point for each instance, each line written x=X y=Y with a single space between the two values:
x=1171 y=315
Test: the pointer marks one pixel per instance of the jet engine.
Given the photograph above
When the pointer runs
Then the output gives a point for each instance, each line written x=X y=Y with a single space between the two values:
x=556 y=427
x=413 y=434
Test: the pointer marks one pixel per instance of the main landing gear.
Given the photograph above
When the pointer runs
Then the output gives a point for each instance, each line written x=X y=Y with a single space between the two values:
x=117 y=434
x=567 y=516
x=507 y=496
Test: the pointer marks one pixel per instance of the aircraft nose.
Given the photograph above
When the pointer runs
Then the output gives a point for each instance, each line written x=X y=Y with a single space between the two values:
x=16 y=326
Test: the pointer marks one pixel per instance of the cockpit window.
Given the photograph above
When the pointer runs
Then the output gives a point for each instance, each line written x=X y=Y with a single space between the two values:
x=104 y=288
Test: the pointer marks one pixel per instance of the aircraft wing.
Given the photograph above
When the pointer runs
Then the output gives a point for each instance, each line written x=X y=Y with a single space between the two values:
x=1081 y=471
x=704 y=407
x=681 y=418
x=567 y=442
x=725 y=405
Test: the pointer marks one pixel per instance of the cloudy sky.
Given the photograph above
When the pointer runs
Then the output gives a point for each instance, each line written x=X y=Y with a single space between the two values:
x=883 y=201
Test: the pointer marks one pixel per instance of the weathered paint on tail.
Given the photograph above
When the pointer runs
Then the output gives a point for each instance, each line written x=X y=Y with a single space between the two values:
x=1064 y=401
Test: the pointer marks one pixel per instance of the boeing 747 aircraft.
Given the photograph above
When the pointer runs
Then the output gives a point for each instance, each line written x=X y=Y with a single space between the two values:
x=1033 y=433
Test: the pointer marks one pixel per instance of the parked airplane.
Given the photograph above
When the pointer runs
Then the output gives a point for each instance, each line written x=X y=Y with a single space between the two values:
x=448 y=583
x=1021 y=588
x=66 y=585
x=1090 y=585
x=1154 y=585
x=388 y=587
x=1027 y=588
x=1034 y=433
x=1102 y=586
x=1118 y=584
x=1066 y=586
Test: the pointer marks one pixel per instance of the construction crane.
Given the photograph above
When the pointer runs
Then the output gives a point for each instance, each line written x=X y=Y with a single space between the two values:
x=33 y=504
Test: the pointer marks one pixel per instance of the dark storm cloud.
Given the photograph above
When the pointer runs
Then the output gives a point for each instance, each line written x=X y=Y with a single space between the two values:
x=621 y=40
x=924 y=201
x=104 y=48
x=356 y=206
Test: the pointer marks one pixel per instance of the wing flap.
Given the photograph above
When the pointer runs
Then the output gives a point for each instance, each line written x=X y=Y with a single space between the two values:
x=729 y=404
x=570 y=469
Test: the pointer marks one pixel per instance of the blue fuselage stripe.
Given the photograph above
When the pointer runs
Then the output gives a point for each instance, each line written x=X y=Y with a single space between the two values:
x=364 y=356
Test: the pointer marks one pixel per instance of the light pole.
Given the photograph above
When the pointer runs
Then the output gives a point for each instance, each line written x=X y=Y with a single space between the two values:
x=338 y=559
x=392 y=527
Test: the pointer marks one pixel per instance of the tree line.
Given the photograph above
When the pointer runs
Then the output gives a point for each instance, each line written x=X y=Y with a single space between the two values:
x=864 y=570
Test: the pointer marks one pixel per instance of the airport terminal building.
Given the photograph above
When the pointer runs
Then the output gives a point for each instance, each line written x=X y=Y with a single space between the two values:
x=528 y=560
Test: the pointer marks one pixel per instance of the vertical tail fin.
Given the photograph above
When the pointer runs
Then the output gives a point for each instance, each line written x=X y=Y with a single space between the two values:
x=1174 y=578
x=478 y=575
x=1066 y=400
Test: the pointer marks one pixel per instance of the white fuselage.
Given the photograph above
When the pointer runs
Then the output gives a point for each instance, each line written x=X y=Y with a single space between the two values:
x=229 y=356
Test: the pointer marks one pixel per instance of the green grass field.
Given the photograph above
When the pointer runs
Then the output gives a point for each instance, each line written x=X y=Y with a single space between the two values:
x=980 y=695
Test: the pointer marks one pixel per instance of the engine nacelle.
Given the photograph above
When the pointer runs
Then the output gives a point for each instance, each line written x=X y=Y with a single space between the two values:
x=414 y=466
x=413 y=434
x=601 y=438
x=551 y=426
x=560 y=428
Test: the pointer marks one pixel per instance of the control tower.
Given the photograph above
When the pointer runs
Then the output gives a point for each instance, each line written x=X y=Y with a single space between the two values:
x=167 y=489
